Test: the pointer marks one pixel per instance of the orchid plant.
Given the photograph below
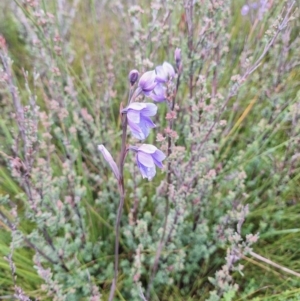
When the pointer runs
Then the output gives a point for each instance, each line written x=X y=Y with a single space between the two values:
x=154 y=84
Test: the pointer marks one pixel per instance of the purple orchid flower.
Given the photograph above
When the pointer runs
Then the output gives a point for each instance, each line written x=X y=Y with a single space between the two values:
x=138 y=118
x=147 y=157
x=147 y=82
x=159 y=93
x=164 y=73
x=245 y=10
x=151 y=82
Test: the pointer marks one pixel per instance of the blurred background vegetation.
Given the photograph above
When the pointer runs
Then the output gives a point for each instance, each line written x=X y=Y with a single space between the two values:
x=70 y=65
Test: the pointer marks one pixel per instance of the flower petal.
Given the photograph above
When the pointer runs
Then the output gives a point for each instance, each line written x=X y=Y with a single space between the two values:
x=159 y=155
x=161 y=75
x=164 y=72
x=157 y=98
x=157 y=163
x=142 y=169
x=145 y=125
x=137 y=106
x=147 y=148
x=149 y=110
x=145 y=130
x=147 y=172
x=133 y=116
x=147 y=81
x=158 y=93
x=168 y=68
x=146 y=122
x=145 y=159
x=136 y=130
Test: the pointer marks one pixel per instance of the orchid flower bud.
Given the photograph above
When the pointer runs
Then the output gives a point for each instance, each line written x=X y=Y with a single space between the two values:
x=177 y=57
x=109 y=159
x=133 y=76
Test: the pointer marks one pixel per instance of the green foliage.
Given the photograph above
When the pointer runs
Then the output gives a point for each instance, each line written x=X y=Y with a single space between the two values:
x=63 y=78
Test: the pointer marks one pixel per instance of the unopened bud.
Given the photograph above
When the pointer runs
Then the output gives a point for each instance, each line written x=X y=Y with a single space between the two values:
x=177 y=56
x=109 y=159
x=133 y=76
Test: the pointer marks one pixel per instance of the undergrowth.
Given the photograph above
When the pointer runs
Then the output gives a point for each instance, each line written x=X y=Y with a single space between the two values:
x=220 y=222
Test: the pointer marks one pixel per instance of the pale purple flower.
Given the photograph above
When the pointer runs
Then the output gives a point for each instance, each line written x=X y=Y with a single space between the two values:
x=245 y=10
x=147 y=82
x=109 y=159
x=138 y=118
x=262 y=6
x=151 y=82
x=147 y=158
x=164 y=73
x=159 y=93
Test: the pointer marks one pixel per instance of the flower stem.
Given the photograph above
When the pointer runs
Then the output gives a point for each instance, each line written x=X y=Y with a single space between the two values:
x=123 y=154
